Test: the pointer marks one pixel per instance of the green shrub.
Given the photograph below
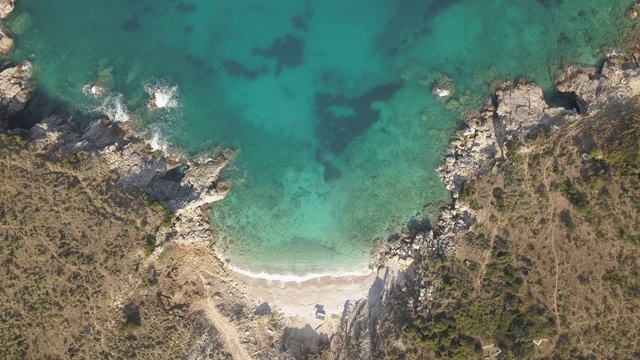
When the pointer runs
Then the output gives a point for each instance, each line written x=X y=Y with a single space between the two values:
x=498 y=195
x=572 y=194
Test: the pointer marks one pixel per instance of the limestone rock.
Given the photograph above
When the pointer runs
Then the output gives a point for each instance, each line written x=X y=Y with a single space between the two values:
x=15 y=89
x=6 y=7
x=615 y=82
x=6 y=42
x=181 y=186
x=520 y=107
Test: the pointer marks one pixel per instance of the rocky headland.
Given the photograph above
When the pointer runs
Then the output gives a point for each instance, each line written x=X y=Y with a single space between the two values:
x=517 y=111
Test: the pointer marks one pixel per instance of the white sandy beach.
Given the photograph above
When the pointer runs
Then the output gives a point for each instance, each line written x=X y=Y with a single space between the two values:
x=298 y=297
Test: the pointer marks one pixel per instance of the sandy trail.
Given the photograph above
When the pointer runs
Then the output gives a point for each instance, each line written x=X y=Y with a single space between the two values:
x=225 y=328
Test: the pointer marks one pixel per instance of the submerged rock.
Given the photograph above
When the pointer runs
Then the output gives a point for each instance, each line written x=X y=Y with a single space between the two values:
x=443 y=88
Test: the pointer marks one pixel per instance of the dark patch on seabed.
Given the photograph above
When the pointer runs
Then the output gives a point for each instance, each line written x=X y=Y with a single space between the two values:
x=334 y=130
x=548 y=4
x=236 y=69
x=200 y=65
x=186 y=8
x=421 y=13
x=436 y=7
x=131 y=25
x=288 y=52
x=299 y=23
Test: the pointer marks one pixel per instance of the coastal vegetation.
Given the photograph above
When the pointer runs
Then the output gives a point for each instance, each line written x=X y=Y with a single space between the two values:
x=551 y=265
x=72 y=264
x=549 y=268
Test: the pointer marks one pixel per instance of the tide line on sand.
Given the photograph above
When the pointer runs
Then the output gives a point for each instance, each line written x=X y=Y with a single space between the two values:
x=290 y=278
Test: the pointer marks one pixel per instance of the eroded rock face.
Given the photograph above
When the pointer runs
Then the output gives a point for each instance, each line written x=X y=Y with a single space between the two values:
x=181 y=186
x=616 y=82
x=6 y=7
x=15 y=89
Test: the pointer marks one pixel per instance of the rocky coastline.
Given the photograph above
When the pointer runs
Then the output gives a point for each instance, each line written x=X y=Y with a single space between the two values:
x=186 y=187
x=517 y=110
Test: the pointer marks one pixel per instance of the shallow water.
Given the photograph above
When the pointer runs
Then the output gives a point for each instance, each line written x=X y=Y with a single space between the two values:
x=328 y=102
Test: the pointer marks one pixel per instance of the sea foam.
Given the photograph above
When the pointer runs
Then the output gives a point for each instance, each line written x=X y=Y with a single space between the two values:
x=164 y=96
x=285 y=278
x=114 y=107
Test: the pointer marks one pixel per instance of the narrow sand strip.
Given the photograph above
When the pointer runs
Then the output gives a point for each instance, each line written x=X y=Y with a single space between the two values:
x=299 y=300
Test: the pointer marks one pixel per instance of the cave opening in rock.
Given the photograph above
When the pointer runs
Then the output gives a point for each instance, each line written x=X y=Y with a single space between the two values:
x=566 y=100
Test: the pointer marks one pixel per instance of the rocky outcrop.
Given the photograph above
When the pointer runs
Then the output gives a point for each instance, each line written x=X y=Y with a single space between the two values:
x=518 y=110
x=15 y=89
x=617 y=81
x=181 y=186
x=6 y=42
x=6 y=7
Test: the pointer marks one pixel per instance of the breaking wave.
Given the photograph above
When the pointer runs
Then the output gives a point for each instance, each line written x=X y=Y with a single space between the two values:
x=164 y=95
x=114 y=107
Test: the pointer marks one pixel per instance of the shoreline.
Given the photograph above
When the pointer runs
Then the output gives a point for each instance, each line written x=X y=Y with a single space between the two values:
x=283 y=277
x=292 y=278
x=469 y=154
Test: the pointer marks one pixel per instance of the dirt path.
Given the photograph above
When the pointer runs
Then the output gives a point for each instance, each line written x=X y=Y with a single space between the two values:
x=552 y=221
x=226 y=329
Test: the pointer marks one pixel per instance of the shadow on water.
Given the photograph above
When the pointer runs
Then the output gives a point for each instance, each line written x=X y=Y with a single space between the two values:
x=41 y=106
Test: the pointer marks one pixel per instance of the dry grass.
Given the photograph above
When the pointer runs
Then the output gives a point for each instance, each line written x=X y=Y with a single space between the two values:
x=71 y=248
x=550 y=268
x=569 y=208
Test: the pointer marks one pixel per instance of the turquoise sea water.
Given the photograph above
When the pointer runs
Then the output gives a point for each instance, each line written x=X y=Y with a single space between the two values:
x=328 y=103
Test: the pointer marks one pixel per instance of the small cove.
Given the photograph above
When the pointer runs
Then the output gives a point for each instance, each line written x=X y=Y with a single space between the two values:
x=329 y=104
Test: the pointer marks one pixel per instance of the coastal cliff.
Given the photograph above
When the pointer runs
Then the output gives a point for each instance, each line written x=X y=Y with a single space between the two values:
x=16 y=90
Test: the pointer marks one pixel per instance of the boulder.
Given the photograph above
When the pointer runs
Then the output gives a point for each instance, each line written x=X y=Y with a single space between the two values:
x=6 y=42
x=520 y=107
x=6 y=7
x=15 y=89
